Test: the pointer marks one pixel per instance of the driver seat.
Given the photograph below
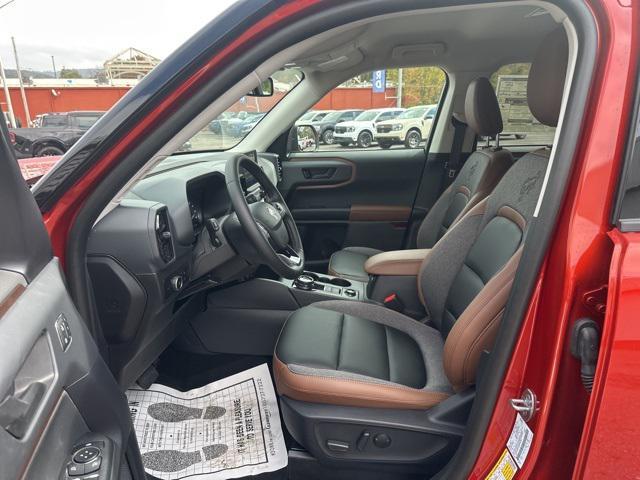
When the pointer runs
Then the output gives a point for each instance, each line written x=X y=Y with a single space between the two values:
x=355 y=354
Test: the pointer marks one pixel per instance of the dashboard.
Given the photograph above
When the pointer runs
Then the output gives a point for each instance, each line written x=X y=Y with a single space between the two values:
x=163 y=244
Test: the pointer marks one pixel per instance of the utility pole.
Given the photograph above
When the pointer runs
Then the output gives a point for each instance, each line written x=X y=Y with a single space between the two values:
x=7 y=96
x=22 y=92
x=399 y=90
x=53 y=62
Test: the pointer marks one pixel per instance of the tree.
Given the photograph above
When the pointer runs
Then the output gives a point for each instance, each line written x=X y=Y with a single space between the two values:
x=420 y=85
x=69 y=73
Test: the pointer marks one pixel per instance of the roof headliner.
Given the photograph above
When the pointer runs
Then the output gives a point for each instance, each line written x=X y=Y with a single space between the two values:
x=480 y=38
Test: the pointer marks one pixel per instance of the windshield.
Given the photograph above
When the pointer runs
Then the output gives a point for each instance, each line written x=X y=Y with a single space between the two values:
x=231 y=126
x=367 y=116
x=413 y=113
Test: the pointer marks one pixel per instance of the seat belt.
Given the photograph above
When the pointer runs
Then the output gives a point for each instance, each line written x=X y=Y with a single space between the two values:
x=454 y=164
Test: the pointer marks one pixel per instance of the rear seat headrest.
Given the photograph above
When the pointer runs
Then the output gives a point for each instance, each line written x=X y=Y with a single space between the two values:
x=481 y=109
x=547 y=76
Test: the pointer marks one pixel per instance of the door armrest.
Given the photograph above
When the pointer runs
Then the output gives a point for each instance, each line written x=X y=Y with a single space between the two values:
x=396 y=263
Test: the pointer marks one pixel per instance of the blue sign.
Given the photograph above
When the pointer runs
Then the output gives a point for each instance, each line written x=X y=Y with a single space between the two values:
x=379 y=81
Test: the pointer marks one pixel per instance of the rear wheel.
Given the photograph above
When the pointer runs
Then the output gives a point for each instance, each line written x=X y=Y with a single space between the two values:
x=365 y=139
x=327 y=137
x=49 y=151
x=413 y=139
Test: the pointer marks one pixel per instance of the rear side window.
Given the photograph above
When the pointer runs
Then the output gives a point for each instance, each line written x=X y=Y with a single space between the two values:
x=54 y=121
x=520 y=126
x=85 y=121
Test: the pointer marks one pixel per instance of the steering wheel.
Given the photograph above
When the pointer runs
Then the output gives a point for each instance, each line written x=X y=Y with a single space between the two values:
x=267 y=223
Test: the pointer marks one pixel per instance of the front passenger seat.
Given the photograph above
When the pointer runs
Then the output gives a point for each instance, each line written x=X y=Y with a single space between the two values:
x=477 y=178
x=335 y=355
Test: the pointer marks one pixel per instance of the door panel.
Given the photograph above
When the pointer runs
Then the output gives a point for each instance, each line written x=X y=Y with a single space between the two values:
x=351 y=198
x=43 y=373
x=56 y=392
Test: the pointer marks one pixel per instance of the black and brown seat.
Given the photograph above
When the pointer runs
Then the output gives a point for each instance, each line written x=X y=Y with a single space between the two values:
x=480 y=174
x=356 y=354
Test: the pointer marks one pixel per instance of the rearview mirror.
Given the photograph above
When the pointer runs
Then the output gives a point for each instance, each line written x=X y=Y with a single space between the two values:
x=265 y=89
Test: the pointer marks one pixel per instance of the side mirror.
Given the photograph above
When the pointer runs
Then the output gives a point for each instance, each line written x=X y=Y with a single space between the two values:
x=265 y=89
x=303 y=138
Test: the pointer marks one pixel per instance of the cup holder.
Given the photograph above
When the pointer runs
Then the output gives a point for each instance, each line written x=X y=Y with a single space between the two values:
x=340 y=282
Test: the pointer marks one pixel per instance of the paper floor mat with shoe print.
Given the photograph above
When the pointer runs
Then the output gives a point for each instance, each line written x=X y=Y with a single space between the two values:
x=227 y=429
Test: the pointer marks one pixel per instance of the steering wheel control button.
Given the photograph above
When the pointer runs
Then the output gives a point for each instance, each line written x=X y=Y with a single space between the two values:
x=304 y=282
x=93 y=465
x=350 y=292
x=74 y=469
x=338 y=446
x=86 y=454
x=382 y=440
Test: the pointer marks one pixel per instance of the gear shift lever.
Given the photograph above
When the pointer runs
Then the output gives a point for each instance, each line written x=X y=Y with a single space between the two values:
x=304 y=282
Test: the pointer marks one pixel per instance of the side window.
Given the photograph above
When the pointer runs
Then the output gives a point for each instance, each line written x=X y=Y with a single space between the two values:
x=521 y=129
x=380 y=110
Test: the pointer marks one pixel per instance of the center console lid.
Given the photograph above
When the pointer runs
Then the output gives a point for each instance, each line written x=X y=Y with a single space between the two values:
x=396 y=263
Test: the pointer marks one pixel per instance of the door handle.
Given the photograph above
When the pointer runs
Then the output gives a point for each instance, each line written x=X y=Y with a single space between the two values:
x=16 y=411
x=318 y=173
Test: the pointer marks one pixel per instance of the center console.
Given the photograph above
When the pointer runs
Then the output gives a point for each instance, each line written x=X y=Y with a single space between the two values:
x=246 y=318
x=320 y=284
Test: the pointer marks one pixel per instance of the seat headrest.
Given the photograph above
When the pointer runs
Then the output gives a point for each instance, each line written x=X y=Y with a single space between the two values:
x=481 y=109
x=547 y=76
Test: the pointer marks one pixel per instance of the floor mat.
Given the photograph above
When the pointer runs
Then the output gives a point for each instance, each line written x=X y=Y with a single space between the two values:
x=227 y=429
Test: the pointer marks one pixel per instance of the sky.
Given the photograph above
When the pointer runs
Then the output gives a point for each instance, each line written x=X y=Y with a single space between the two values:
x=85 y=33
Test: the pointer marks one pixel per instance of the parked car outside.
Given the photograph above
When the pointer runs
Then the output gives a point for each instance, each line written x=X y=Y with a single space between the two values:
x=411 y=127
x=57 y=133
x=313 y=116
x=325 y=126
x=249 y=123
x=218 y=125
x=362 y=129
x=233 y=127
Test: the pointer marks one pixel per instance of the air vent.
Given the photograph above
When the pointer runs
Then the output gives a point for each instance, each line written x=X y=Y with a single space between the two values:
x=163 y=235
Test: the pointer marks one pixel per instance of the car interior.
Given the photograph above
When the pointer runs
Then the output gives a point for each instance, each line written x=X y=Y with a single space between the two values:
x=373 y=282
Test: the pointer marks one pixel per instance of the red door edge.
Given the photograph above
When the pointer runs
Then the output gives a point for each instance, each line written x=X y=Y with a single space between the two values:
x=610 y=447
x=578 y=261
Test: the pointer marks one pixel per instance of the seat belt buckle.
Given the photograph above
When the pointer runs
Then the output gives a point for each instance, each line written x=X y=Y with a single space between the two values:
x=393 y=302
